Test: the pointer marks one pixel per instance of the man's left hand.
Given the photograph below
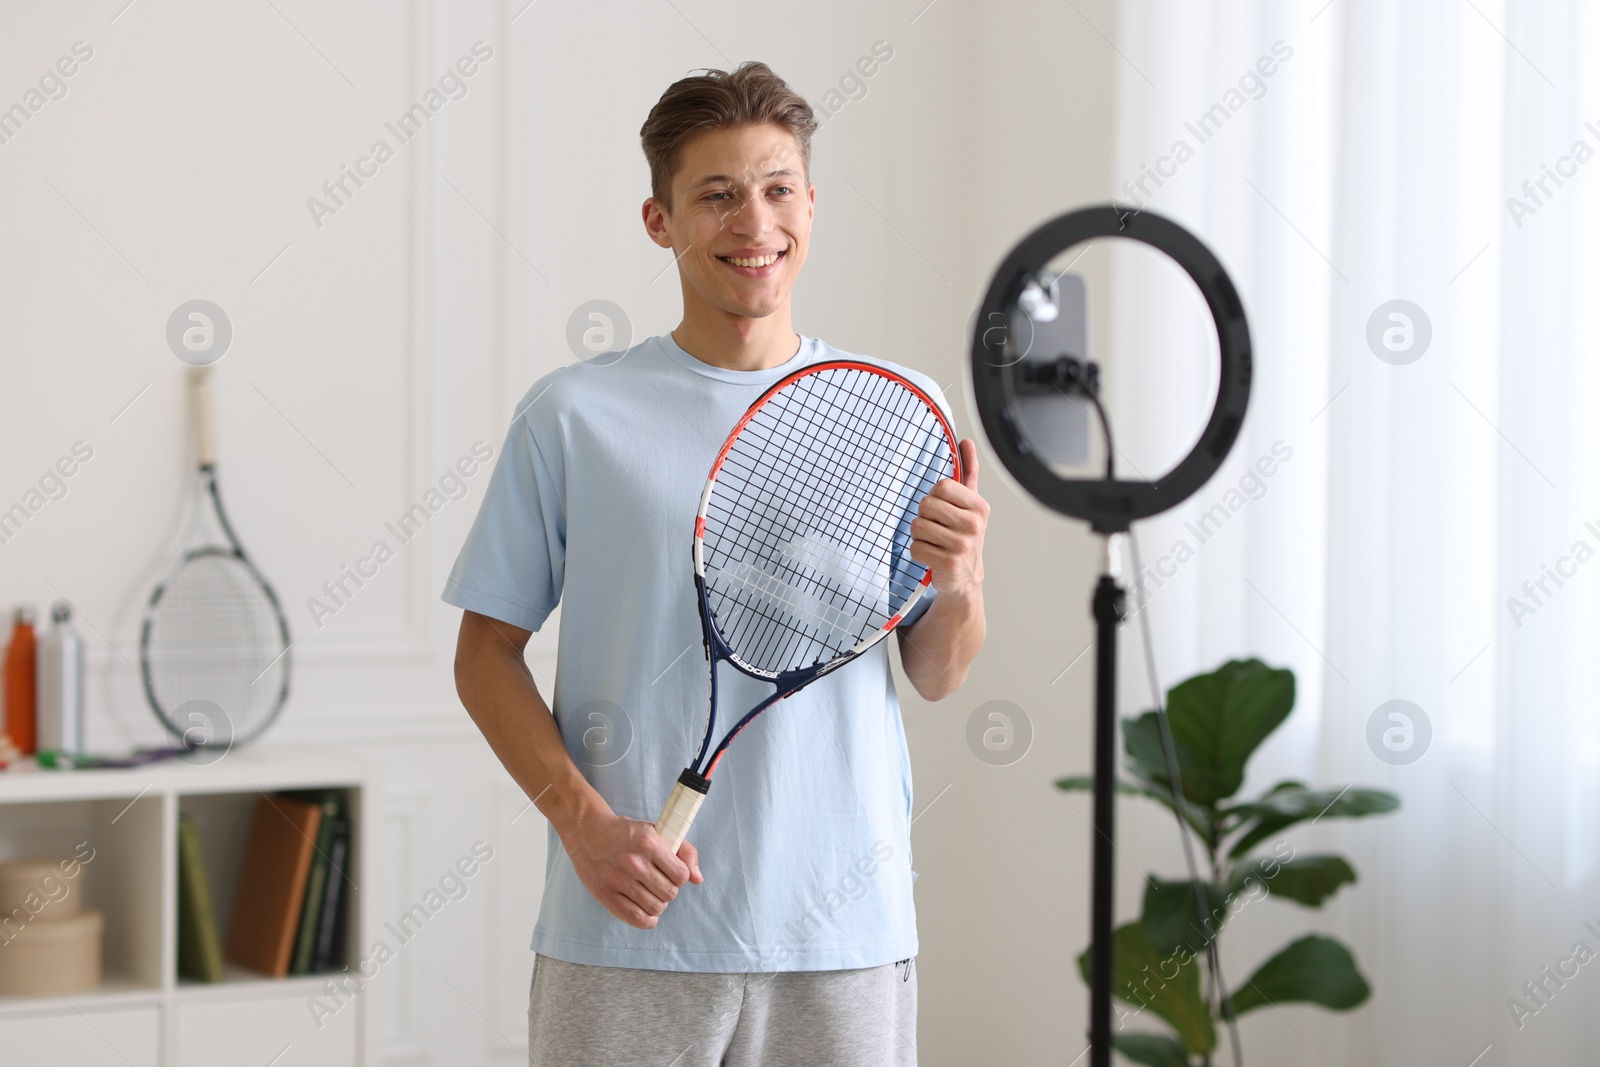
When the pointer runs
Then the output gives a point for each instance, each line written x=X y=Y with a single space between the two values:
x=947 y=534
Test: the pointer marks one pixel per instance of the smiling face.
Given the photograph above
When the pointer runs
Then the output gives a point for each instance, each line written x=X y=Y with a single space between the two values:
x=739 y=222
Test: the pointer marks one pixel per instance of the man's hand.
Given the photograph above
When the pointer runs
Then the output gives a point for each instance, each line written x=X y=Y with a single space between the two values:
x=627 y=868
x=947 y=538
x=621 y=861
x=947 y=534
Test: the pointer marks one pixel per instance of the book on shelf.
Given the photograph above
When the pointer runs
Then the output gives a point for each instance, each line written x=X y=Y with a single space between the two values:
x=199 y=943
x=331 y=802
x=272 y=883
x=330 y=923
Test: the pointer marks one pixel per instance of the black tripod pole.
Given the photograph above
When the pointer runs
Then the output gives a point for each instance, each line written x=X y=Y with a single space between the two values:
x=1108 y=608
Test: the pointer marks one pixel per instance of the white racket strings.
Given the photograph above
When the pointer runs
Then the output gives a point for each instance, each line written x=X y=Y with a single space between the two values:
x=808 y=523
x=214 y=633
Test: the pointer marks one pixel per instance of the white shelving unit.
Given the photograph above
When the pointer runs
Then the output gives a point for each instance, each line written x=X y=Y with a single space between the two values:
x=142 y=1014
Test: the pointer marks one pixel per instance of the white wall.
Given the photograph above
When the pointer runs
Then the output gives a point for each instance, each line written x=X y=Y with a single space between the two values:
x=374 y=349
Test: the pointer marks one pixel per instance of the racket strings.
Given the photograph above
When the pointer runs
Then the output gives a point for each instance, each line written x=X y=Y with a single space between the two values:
x=215 y=636
x=854 y=493
x=852 y=481
x=808 y=522
x=855 y=477
x=885 y=445
x=848 y=492
x=832 y=581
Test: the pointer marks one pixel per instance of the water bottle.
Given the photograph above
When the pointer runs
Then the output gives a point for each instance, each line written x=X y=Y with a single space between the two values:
x=61 y=685
x=20 y=677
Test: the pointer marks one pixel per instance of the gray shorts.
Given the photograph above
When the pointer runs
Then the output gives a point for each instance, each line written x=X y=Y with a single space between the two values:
x=583 y=1016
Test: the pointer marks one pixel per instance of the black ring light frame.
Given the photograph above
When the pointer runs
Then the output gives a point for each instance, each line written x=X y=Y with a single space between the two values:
x=1109 y=505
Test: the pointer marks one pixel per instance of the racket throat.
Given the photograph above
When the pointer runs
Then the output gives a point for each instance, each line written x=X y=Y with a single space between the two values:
x=690 y=779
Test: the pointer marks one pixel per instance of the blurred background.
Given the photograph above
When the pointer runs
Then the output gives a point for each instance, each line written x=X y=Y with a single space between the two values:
x=1419 y=538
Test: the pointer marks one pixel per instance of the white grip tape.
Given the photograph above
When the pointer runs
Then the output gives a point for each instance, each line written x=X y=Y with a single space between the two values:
x=678 y=815
x=205 y=434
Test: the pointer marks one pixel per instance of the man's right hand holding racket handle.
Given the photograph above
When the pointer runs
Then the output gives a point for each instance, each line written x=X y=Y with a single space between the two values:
x=621 y=861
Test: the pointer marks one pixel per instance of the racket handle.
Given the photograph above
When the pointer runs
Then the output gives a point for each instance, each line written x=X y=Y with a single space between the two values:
x=204 y=425
x=682 y=806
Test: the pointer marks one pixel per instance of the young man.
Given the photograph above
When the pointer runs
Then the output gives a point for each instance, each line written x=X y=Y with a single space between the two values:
x=783 y=932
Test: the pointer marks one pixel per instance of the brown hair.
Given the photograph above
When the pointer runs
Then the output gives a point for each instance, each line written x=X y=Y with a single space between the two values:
x=715 y=100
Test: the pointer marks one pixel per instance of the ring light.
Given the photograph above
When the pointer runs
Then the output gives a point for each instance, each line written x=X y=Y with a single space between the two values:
x=1109 y=505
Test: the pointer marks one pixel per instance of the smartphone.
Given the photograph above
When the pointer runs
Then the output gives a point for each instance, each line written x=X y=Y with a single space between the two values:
x=1056 y=427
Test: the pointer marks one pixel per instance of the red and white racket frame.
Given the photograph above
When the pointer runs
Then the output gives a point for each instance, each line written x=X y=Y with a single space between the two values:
x=690 y=790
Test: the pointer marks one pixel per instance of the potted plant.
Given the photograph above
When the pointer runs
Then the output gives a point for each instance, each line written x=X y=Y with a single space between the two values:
x=1218 y=720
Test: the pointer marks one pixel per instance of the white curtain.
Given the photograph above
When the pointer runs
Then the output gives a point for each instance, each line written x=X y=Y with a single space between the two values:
x=1434 y=534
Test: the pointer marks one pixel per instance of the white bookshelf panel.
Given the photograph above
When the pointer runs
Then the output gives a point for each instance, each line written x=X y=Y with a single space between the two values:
x=279 y=1030
x=128 y=1038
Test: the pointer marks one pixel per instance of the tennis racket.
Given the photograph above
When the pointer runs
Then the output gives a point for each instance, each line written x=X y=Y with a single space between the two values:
x=214 y=648
x=802 y=540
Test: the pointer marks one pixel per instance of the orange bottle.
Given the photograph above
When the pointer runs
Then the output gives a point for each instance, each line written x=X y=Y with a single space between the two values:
x=22 y=691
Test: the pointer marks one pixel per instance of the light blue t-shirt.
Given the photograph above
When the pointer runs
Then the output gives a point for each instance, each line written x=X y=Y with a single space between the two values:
x=804 y=838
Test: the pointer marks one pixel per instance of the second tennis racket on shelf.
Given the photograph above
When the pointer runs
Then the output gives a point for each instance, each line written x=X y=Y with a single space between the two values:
x=803 y=536
x=214 y=648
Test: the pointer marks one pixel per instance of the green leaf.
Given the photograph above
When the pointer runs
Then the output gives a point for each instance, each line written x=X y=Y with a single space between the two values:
x=1167 y=985
x=1219 y=720
x=1308 y=880
x=1170 y=919
x=1231 y=818
x=1313 y=970
x=1141 y=739
x=1084 y=783
x=1199 y=819
x=1283 y=807
x=1152 y=1050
